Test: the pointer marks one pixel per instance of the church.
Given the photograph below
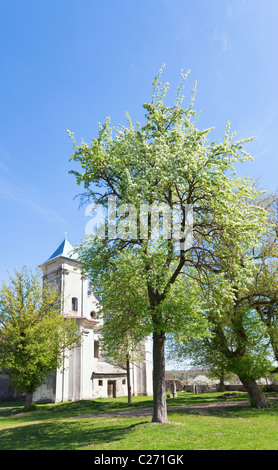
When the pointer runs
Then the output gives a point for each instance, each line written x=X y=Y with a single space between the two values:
x=85 y=374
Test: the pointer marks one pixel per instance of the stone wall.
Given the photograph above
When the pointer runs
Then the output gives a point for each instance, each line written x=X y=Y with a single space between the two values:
x=46 y=392
x=179 y=385
x=7 y=392
x=196 y=388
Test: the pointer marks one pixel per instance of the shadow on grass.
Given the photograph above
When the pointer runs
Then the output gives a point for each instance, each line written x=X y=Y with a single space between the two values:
x=235 y=410
x=60 y=435
x=69 y=409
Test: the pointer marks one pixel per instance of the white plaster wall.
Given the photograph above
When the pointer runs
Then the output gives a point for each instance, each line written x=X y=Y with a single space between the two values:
x=100 y=391
x=74 y=284
x=149 y=368
x=62 y=379
x=87 y=360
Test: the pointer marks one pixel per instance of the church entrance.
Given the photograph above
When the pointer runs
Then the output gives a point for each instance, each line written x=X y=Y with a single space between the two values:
x=111 y=388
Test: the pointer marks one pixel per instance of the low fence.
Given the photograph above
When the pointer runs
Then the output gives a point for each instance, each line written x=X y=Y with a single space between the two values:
x=196 y=388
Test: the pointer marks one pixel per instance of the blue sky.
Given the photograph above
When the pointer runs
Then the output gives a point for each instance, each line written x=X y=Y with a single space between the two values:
x=67 y=64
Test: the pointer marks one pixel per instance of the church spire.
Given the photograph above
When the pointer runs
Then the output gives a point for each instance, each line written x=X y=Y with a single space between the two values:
x=65 y=250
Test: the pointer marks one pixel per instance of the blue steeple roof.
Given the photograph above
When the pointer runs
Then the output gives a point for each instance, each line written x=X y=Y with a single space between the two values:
x=65 y=250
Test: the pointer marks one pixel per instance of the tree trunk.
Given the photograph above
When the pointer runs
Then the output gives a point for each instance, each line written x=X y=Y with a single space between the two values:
x=256 y=396
x=28 y=400
x=129 y=399
x=221 y=385
x=159 y=389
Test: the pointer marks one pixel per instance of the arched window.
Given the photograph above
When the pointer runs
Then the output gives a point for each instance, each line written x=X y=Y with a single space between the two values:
x=74 y=304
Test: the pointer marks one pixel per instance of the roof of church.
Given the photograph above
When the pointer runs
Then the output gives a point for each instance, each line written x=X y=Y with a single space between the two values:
x=65 y=250
x=104 y=368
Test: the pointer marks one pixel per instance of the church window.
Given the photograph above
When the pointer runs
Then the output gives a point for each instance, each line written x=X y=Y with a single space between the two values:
x=74 y=304
x=123 y=381
x=93 y=314
x=96 y=349
x=100 y=382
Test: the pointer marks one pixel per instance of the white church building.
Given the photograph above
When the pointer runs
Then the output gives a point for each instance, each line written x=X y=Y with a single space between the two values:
x=85 y=374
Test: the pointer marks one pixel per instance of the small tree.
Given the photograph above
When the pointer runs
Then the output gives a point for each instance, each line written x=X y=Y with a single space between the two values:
x=123 y=301
x=118 y=342
x=33 y=333
x=238 y=340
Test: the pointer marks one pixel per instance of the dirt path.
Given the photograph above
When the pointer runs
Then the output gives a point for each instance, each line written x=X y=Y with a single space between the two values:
x=141 y=412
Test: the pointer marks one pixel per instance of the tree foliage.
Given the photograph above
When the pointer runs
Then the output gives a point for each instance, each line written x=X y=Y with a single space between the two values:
x=168 y=161
x=242 y=331
x=33 y=333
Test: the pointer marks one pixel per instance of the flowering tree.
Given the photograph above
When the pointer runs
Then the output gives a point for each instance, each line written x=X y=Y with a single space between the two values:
x=168 y=161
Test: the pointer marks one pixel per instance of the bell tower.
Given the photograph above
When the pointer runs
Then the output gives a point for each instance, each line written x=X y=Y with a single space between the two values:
x=85 y=374
x=73 y=381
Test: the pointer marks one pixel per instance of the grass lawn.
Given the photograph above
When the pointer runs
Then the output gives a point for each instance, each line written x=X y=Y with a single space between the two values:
x=59 y=427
